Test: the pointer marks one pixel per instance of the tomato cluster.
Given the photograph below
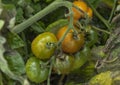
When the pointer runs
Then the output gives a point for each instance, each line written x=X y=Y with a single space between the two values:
x=45 y=45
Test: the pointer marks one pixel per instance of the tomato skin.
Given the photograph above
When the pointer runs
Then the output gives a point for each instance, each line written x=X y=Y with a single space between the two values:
x=63 y=64
x=90 y=12
x=82 y=5
x=34 y=71
x=40 y=47
x=81 y=58
x=103 y=78
x=70 y=44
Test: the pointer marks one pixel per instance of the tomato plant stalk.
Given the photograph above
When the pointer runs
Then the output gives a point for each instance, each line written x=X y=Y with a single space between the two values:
x=70 y=26
x=113 y=10
x=53 y=6
x=100 y=17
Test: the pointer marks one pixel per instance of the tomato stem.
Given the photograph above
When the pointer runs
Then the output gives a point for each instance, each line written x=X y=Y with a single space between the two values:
x=96 y=28
x=110 y=61
x=70 y=26
x=53 y=6
x=50 y=70
x=100 y=17
x=80 y=10
x=61 y=79
x=25 y=41
x=113 y=10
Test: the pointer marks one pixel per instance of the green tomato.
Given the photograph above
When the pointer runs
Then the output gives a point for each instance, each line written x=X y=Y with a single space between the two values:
x=81 y=58
x=34 y=70
x=103 y=78
x=63 y=64
x=43 y=46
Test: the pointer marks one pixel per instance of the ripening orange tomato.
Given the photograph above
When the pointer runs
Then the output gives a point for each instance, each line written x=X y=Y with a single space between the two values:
x=82 y=5
x=72 y=42
x=90 y=12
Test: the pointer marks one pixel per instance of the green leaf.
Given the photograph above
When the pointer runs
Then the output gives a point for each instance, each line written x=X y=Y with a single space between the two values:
x=93 y=38
x=15 y=62
x=1 y=82
x=10 y=1
x=4 y=65
x=11 y=23
x=38 y=27
x=15 y=41
x=55 y=26
x=0 y=9
x=95 y=3
x=1 y=24
x=70 y=83
x=103 y=78
x=48 y=1
x=2 y=50
x=36 y=1
x=118 y=8
x=9 y=6
x=109 y=2
x=19 y=15
x=8 y=15
x=37 y=7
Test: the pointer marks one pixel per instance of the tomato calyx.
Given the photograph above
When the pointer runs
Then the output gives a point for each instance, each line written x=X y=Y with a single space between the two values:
x=44 y=64
x=61 y=56
x=76 y=35
x=63 y=63
x=50 y=45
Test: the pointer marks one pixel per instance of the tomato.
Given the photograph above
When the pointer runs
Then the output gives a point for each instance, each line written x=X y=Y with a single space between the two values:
x=82 y=5
x=43 y=46
x=81 y=58
x=34 y=70
x=63 y=63
x=72 y=42
x=103 y=78
x=90 y=12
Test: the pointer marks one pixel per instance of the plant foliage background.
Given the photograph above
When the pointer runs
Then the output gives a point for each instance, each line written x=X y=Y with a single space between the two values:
x=15 y=48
